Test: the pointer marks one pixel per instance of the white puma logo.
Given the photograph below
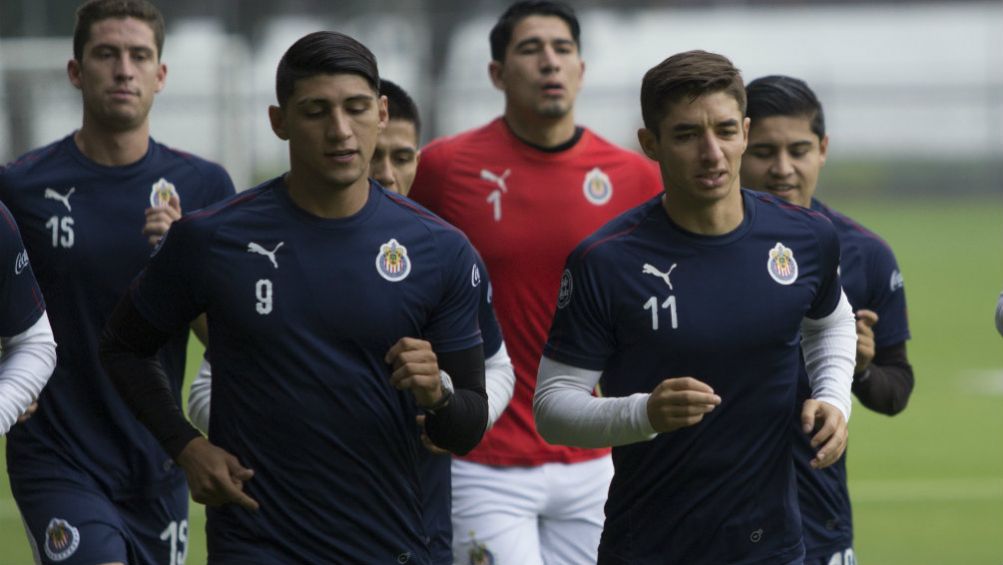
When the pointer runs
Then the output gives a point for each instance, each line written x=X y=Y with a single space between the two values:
x=255 y=248
x=651 y=270
x=53 y=195
x=495 y=197
x=497 y=179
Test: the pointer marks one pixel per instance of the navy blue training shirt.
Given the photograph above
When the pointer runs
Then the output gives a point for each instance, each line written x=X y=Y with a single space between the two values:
x=302 y=311
x=643 y=300
x=82 y=226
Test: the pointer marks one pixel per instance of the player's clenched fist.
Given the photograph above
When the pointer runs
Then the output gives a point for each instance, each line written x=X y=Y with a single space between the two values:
x=865 y=338
x=831 y=434
x=680 y=402
x=415 y=368
x=215 y=477
x=160 y=218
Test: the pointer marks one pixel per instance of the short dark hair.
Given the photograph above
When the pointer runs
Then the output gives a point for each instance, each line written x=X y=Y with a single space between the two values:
x=691 y=74
x=501 y=34
x=95 y=11
x=779 y=95
x=324 y=52
x=400 y=105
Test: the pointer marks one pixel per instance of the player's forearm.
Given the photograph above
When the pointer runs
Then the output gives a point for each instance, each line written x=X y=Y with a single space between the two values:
x=567 y=413
x=128 y=350
x=459 y=426
x=25 y=366
x=886 y=384
x=829 y=345
x=499 y=377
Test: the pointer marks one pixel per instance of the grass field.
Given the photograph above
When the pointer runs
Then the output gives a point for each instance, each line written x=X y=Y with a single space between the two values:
x=927 y=485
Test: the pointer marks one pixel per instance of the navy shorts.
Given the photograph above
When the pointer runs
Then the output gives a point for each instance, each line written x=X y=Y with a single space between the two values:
x=70 y=521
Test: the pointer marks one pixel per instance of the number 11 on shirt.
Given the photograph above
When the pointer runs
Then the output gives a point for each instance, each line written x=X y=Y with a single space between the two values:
x=669 y=303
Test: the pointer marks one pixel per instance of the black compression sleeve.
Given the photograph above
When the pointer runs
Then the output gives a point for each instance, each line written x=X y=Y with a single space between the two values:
x=128 y=350
x=885 y=385
x=460 y=425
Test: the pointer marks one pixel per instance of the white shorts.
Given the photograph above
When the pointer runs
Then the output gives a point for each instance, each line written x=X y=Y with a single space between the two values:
x=547 y=515
x=845 y=557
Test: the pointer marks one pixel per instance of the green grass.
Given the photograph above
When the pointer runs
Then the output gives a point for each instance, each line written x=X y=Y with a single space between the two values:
x=927 y=485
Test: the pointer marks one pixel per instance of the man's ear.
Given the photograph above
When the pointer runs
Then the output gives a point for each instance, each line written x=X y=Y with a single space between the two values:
x=496 y=71
x=649 y=143
x=161 y=77
x=746 y=127
x=384 y=112
x=73 y=72
x=823 y=149
x=277 y=117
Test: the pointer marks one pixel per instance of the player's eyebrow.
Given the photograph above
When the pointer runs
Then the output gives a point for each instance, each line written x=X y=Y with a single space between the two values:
x=536 y=41
x=685 y=127
x=529 y=42
x=118 y=47
x=328 y=101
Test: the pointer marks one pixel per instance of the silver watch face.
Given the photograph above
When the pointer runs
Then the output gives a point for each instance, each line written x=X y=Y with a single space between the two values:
x=447 y=381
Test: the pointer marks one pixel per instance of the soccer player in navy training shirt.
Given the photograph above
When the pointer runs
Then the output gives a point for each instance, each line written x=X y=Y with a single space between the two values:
x=317 y=284
x=91 y=483
x=27 y=349
x=393 y=165
x=692 y=308
x=786 y=152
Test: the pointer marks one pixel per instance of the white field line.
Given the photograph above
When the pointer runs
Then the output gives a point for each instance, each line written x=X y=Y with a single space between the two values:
x=987 y=381
x=926 y=490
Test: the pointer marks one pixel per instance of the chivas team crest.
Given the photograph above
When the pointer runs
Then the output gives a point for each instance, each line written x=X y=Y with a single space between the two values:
x=61 y=539
x=782 y=266
x=161 y=192
x=567 y=286
x=392 y=262
x=597 y=187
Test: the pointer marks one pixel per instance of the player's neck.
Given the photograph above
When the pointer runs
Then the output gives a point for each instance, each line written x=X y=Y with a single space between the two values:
x=319 y=199
x=718 y=217
x=541 y=132
x=112 y=148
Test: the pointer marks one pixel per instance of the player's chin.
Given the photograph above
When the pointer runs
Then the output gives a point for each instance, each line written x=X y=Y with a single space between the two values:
x=343 y=177
x=123 y=118
x=554 y=108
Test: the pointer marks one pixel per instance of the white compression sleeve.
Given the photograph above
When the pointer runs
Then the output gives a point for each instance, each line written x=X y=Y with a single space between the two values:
x=499 y=380
x=198 y=397
x=567 y=414
x=26 y=363
x=830 y=354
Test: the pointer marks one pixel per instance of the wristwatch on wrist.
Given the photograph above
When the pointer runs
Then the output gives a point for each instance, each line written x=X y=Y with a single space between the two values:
x=446 y=385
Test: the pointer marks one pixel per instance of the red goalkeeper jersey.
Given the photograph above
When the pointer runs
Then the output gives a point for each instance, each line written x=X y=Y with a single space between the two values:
x=525 y=210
